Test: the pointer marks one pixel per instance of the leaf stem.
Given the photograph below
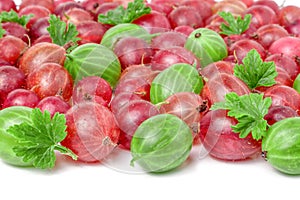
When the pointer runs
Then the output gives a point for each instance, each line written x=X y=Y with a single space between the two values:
x=65 y=151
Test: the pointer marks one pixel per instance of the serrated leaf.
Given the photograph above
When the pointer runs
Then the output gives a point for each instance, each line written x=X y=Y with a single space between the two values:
x=60 y=33
x=40 y=138
x=12 y=16
x=58 y=126
x=121 y=15
x=113 y=17
x=249 y=110
x=254 y=72
x=244 y=127
x=42 y=157
x=234 y=26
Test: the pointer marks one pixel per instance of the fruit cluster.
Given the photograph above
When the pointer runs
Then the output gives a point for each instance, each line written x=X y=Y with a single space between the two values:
x=153 y=78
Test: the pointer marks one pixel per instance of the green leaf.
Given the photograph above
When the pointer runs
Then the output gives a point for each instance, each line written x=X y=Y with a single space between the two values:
x=249 y=110
x=234 y=26
x=61 y=34
x=38 y=139
x=254 y=72
x=12 y=16
x=121 y=15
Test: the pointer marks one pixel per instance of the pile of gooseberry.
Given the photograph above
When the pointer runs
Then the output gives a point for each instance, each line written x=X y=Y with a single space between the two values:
x=146 y=86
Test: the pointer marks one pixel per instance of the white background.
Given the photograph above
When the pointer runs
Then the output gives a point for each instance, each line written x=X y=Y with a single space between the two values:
x=199 y=178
